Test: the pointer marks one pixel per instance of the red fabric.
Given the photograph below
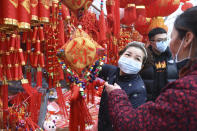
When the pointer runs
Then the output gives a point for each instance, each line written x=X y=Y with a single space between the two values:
x=174 y=109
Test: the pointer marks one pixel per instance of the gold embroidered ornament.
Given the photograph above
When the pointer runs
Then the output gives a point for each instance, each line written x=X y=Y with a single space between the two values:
x=80 y=51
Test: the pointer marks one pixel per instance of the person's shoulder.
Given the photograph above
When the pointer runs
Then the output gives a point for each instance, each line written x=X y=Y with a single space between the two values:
x=109 y=67
x=184 y=83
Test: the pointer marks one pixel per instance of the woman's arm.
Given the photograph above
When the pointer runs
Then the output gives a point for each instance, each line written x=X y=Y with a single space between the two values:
x=165 y=113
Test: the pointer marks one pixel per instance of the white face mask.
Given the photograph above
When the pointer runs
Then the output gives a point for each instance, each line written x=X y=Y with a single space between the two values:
x=162 y=46
x=129 y=66
x=176 y=56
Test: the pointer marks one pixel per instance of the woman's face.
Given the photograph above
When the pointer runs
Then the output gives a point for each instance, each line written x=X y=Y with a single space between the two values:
x=175 y=42
x=134 y=53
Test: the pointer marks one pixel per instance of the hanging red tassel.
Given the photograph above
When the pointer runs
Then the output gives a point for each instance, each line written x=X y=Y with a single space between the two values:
x=5 y=103
x=61 y=101
x=39 y=77
x=102 y=27
x=79 y=113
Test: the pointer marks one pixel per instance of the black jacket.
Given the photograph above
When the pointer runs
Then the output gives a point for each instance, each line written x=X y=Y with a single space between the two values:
x=158 y=72
x=131 y=84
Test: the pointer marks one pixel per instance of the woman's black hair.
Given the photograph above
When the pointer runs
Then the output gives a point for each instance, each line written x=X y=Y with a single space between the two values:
x=136 y=44
x=187 y=21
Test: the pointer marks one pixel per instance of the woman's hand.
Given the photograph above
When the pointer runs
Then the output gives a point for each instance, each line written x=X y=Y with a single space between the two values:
x=110 y=88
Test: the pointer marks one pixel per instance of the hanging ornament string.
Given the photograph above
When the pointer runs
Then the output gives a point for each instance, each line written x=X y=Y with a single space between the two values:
x=89 y=75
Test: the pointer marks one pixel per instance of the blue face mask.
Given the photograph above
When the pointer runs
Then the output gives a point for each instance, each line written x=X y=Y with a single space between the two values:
x=129 y=66
x=162 y=46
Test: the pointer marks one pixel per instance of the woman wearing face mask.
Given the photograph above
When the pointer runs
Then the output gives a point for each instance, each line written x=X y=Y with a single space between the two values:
x=132 y=58
x=175 y=109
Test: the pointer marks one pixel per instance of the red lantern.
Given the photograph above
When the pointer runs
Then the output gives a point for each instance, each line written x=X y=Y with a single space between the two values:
x=129 y=15
x=44 y=10
x=9 y=14
x=186 y=6
x=24 y=14
x=34 y=10
x=162 y=8
x=140 y=10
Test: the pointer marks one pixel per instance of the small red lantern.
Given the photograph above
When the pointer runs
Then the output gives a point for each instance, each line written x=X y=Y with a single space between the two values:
x=186 y=6
x=129 y=15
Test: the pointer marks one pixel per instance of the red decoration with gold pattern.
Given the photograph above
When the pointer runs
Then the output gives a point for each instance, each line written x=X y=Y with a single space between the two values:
x=9 y=12
x=24 y=14
x=44 y=11
x=34 y=10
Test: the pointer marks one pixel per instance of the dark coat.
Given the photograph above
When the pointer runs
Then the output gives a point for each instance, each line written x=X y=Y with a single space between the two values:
x=158 y=72
x=174 y=110
x=131 y=84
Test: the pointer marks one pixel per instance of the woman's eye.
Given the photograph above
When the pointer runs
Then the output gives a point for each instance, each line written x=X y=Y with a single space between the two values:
x=127 y=54
x=138 y=59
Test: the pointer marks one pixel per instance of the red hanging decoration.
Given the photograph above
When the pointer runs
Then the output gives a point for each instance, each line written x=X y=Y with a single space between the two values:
x=102 y=27
x=129 y=15
x=44 y=11
x=34 y=10
x=61 y=101
x=9 y=14
x=24 y=14
x=162 y=8
x=79 y=114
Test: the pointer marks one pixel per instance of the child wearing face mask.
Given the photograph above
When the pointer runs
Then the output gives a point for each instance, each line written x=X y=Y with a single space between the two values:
x=131 y=61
